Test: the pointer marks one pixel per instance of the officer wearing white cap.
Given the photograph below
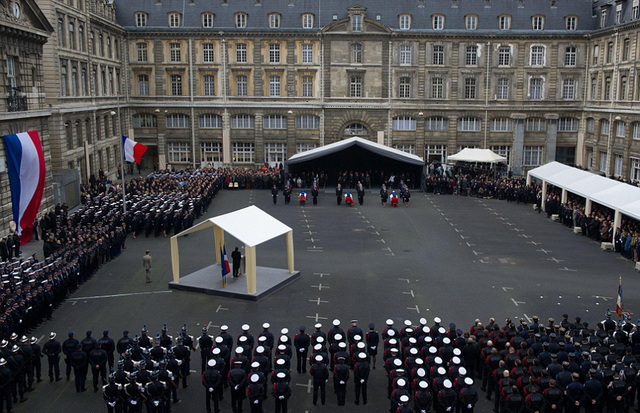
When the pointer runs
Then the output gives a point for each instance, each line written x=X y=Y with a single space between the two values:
x=389 y=327
x=52 y=350
x=447 y=397
x=268 y=334
x=255 y=391
x=361 y=372
x=353 y=331
x=422 y=397
x=6 y=379
x=211 y=380
x=373 y=341
x=320 y=374
x=404 y=405
x=205 y=342
x=335 y=330
x=401 y=386
x=468 y=396
x=226 y=337
x=318 y=333
x=281 y=392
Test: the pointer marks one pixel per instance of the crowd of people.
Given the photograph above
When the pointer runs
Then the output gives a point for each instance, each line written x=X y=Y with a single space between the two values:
x=535 y=366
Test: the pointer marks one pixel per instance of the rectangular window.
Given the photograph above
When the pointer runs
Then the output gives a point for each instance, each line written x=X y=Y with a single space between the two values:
x=469 y=124
x=81 y=38
x=174 y=20
x=502 y=89
x=274 y=122
x=72 y=35
x=532 y=156
x=275 y=152
x=621 y=129
x=504 y=22
x=501 y=125
x=356 y=53
x=438 y=55
x=307 y=21
x=625 y=50
x=404 y=87
x=405 y=22
x=570 y=56
x=571 y=23
x=535 y=88
x=243 y=152
x=207 y=20
x=618 y=13
x=307 y=53
x=603 y=162
x=591 y=125
x=408 y=148
x=355 y=86
x=209 y=85
x=504 y=56
x=438 y=22
x=304 y=147
x=405 y=54
x=503 y=151
x=636 y=131
x=635 y=12
x=274 y=53
x=596 y=53
x=537 y=23
x=143 y=85
x=437 y=88
x=470 y=88
x=176 y=85
x=242 y=122
x=610 y=52
x=607 y=89
x=537 y=55
x=404 y=123
x=11 y=74
x=274 y=21
x=617 y=166
x=471 y=22
x=210 y=121
x=536 y=125
x=623 y=88
x=308 y=122
x=594 y=88
x=174 y=53
x=437 y=152
x=144 y=120
x=569 y=89
x=241 y=85
x=83 y=82
x=567 y=125
x=207 y=52
x=211 y=152
x=604 y=127
x=472 y=55
x=241 y=20
x=142 y=52
x=141 y=19
x=307 y=86
x=61 y=32
x=177 y=121
x=356 y=23
x=274 y=85
x=436 y=123
x=179 y=152
x=241 y=53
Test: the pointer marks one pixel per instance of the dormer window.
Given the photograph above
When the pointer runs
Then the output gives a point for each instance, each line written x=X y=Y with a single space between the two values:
x=307 y=21
x=603 y=18
x=437 y=22
x=141 y=19
x=571 y=23
x=356 y=23
x=174 y=19
x=207 y=20
x=404 y=22
x=471 y=21
x=504 y=22
x=274 y=20
x=241 y=20
x=537 y=23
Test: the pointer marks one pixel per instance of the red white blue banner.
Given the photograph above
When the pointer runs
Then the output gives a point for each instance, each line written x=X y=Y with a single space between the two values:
x=132 y=150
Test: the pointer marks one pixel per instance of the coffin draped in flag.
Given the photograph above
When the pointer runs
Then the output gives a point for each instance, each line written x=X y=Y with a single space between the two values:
x=224 y=265
x=25 y=163
x=132 y=150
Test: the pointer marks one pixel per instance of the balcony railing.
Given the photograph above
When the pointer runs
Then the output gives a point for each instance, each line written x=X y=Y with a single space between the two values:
x=17 y=101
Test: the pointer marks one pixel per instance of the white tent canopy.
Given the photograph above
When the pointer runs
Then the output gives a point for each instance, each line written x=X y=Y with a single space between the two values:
x=251 y=226
x=477 y=155
x=383 y=150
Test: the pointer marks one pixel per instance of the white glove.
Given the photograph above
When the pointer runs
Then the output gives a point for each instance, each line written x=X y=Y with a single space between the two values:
x=256 y=401
x=235 y=387
x=362 y=381
x=341 y=382
x=469 y=406
x=448 y=409
x=302 y=350
x=210 y=389
x=281 y=397
x=373 y=347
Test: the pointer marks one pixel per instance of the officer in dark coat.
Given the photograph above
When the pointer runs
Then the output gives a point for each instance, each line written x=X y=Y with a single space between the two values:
x=315 y=192
x=6 y=384
x=281 y=393
x=52 y=350
x=339 y=194
x=80 y=363
x=68 y=347
x=320 y=374
x=301 y=342
x=211 y=381
x=360 y=191
x=274 y=194
x=236 y=257
x=16 y=244
x=36 y=351
x=98 y=359
x=340 y=378
x=361 y=372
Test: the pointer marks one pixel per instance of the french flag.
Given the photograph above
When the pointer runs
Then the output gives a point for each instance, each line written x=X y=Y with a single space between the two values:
x=132 y=150
x=25 y=162
x=225 y=262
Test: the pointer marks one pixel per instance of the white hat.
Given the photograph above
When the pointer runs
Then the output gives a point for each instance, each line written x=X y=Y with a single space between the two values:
x=317 y=347
x=419 y=361
x=342 y=344
x=224 y=327
x=52 y=336
x=412 y=340
x=239 y=350
x=216 y=351
x=437 y=320
x=391 y=333
x=456 y=351
x=318 y=325
x=282 y=347
x=397 y=362
x=404 y=398
x=245 y=327
x=409 y=330
x=407 y=323
x=423 y=384
x=413 y=351
x=280 y=361
x=320 y=340
x=284 y=339
x=447 y=384
x=357 y=337
x=3 y=362
x=259 y=349
x=318 y=357
x=362 y=355
x=284 y=331
x=446 y=340
x=455 y=360
x=401 y=382
x=428 y=339
x=266 y=325
x=433 y=350
x=423 y=321
x=338 y=336
x=468 y=381
x=389 y=322
x=254 y=378
x=336 y=322
x=462 y=371
x=441 y=330
x=438 y=360
x=262 y=338
x=421 y=372
x=219 y=339
x=242 y=338
x=442 y=371
x=281 y=375
x=393 y=342
x=255 y=365
x=361 y=345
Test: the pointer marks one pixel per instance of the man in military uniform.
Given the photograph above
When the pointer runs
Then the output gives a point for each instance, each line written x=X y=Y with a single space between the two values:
x=361 y=377
x=339 y=194
x=68 y=347
x=6 y=384
x=52 y=350
x=80 y=362
x=281 y=393
x=211 y=382
x=320 y=374
x=111 y=395
x=205 y=342
x=301 y=342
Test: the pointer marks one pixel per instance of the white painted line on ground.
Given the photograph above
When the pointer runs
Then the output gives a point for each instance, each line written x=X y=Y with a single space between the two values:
x=309 y=387
x=312 y=239
x=534 y=243
x=503 y=261
x=319 y=286
x=463 y=237
x=321 y=273
x=603 y=297
x=316 y=317
x=484 y=262
x=469 y=245
x=118 y=295
x=414 y=308
x=381 y=240
x=554 y=259
x=458 y=230
x=220 y=307
x=543 y=250
x=318 y=301
x=377 y=233
x=476 y=252
x=517 y=302
x=516 y=229
x=314 y=248
x=508 y=223
x=410 y=292
x=567 y=269
x=507 y=288
x=528 y=319
x=525 y=236
x=404 y=279
x=209 y=325
x=310 y=232
x=41 y=337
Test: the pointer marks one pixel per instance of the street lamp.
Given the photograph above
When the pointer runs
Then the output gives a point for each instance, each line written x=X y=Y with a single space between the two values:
x=124 y=198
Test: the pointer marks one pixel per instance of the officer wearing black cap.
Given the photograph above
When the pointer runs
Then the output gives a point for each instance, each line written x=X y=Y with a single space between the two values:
x=238 y=384
x=205 y=342
x=36 y=354
x=373 y=340
x=182 y=355
x=80 y=362
x=98 y=359
x=124 y=343
x=353 y=331
x=301 y=342
x=155 y=394
x=68 y=347
x=109 y=346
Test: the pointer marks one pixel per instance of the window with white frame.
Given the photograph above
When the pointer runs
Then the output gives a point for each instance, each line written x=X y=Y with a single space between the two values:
x=175 y=56
x=621 y=129
x=209 y=85
x=210 y=121
x=241 y=53
x=469 y=124
x=437 y=88
x=356 y=23
x=604 y=127
x=636 y=131
x=568 y=125
x=11 y=73
x=145 y=120
x=404 y=87
x=436 y=123
x=618 y=13
x=404 y=123
x=470 y=88
x=635 y=11
x=242 y=85
x=504 y=56
x=504 y=22
x=274 y=53
x=594 y=88
x=355 y=128
x=596 y=53
x=536 y=125
x=436 y=152
x=610 y=52
x=602 y=167
x=207 y=20
x=570 y=56
x=405 y=54
x=407 y=148
x=174 y=19
x=307 y=122
x=274 y=21
x=501 y=125
x=179 y=152
x=591 y=125
x=635 y=169
x=569 y=89
x=177 y=121
x=537 y=55
x=404 y=22
x=274 y=85
x=242 y=121
x=471 y=21
x=143 y=85
x=438 y=55
x=72 y=34
x=211 y=152
x=176 y=85
x=274 y=122
x=307 y=21
x=241 y=20
x=307 y=53
x=207 y=53
x=304 y=147
x=275 y=152
x=626 y=46
x=537 y=23
x=307 y=86
x=243 y=152
x=535 y=88
x=472 y=56
x=607 y=88
x=617 y=165
x=532 y=156
x=141 y=19
x=623 y=88
x=355 y=86
x=503 y=150
x=502 y=88
x=141 y=52
x=356 y=53
x=437 y=22
x=571 y=23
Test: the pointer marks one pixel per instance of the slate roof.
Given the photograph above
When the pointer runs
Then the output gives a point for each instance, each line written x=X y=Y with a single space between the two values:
x=323 y=10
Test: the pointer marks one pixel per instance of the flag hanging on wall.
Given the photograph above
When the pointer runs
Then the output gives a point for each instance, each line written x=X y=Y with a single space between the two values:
x=25 y=165
x=619 y=305
x=132 y=150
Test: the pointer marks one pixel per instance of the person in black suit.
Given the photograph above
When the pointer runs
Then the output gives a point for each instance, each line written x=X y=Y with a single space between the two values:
x=236 y=256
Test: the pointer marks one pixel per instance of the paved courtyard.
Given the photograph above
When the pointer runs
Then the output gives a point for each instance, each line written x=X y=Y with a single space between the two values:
x=453 y=257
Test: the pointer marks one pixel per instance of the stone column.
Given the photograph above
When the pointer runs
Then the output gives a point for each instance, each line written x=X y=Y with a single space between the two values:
x=552 y=137
x=518 y=143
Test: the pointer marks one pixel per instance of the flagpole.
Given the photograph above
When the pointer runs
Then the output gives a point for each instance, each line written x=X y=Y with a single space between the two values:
x=124 y=195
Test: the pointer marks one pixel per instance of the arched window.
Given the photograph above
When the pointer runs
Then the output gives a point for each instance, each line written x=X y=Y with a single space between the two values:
x=145 y=120
x=210 y=121
x=355 y=128
x=177 y=121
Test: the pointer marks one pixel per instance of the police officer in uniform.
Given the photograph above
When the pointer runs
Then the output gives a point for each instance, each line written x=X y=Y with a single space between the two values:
x=68 y=347
x=339 y=194
x=52 y=350
x=361 y=377
x=211 y=382
x=205 y=342
x=301 y=342
x=320 y=374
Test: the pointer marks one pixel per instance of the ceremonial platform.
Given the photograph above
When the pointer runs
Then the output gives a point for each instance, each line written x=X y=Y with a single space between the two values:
x=209 y=281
